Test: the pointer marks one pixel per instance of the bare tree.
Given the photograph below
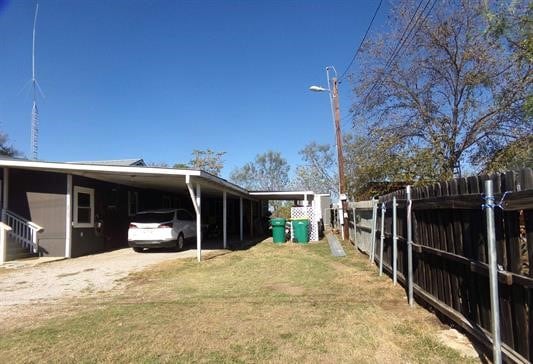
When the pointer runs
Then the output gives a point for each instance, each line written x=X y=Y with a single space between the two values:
x=452 y=89
x=319 y=171
x=208 y=160
x=268 y=172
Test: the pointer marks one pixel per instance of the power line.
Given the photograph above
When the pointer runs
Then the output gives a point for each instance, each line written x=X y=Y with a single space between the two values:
x=362 y=41
x=403 y=39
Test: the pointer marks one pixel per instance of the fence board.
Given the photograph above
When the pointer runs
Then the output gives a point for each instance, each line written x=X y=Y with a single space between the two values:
x=450 y=254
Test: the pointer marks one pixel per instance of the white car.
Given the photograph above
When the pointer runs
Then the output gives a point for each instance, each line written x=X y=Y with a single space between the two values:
x=168 y=228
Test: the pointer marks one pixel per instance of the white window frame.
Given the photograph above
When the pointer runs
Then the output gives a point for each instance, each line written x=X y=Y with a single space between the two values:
x=90 y=192
x=136 y=194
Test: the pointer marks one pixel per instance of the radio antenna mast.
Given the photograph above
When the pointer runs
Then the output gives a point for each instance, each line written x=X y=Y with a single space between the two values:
x=35 y=86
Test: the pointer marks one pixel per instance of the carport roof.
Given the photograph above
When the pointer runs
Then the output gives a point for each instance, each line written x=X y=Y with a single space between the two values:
x=282 y=195
x=167 y=179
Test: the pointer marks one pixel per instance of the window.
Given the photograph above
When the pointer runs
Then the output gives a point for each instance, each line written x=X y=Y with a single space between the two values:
x=83 y=207
x=153 y=217
x=184 y=215
x=133 y=203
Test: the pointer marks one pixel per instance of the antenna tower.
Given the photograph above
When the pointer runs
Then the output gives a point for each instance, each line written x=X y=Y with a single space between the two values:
x=35 y=85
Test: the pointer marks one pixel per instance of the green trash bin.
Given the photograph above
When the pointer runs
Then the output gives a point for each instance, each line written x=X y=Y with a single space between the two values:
x=301 y=230
x=278 y=230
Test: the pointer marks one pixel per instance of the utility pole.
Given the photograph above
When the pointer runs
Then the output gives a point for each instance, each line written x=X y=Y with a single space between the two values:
x=333 y=90
x=340 y=155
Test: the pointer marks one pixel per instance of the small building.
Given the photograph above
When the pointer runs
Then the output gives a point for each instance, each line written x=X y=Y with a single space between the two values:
x=70 y=209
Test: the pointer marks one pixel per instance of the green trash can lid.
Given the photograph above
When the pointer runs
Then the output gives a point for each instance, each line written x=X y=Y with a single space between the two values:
x=277 y=221
x=301 y=219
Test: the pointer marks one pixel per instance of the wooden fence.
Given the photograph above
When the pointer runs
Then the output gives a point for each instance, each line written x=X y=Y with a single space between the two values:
x=450 y=256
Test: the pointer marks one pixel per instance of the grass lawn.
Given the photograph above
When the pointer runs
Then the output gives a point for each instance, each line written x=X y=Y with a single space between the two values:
x=267 y=304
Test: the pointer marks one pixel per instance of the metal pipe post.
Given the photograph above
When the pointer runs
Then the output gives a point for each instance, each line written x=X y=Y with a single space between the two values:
x=394 y=243
x=354 y=230
x=374 y=226
x=382 y=240
x=409 y=246
x=493 y=273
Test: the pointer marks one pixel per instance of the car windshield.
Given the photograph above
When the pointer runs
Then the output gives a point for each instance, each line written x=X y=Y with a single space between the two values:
x=153 y=217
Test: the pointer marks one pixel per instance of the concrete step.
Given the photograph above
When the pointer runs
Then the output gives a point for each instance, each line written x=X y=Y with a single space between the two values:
x=15 y=250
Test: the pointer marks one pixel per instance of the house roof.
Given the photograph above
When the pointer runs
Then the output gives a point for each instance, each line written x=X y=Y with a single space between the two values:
x=115 y=162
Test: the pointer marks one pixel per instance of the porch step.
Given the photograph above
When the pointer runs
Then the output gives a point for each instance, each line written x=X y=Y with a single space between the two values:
x=16 y=251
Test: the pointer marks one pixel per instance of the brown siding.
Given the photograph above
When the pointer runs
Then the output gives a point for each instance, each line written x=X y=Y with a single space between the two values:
x=40 y=197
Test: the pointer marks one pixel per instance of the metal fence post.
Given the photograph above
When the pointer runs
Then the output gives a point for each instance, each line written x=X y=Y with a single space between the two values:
x=382 y=238
x=394 y=243
x=493 y=273
x=354 y=229
x=409 y=246
x=374 y=223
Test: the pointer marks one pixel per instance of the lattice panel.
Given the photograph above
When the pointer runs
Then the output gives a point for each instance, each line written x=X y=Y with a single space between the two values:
x=309 y=213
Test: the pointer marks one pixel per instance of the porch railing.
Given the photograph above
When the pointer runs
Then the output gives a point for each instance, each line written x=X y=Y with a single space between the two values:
x=22 y=230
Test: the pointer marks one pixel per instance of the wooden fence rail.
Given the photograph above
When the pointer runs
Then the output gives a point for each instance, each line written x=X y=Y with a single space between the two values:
x=450 y=256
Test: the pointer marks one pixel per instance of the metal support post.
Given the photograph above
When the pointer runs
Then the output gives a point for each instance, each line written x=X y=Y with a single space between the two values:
x=374 y=228
x=409 y=247
x=394 y=242
x=382 y=238
x=354 y=230
x=493 y=273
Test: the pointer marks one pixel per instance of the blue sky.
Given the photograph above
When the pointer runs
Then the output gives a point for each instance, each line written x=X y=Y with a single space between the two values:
x=157 y=79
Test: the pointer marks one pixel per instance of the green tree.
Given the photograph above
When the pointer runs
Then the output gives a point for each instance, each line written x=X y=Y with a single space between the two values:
x=375 y=165
x=208 y=160
x=268 y=172
x=516 y=155
x=5 y=148
x=452 y=91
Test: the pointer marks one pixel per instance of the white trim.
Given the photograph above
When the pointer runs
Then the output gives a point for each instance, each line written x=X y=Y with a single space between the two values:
x=282 y=193
x=199 y=222
x=97 y=168
x=3 y=242
x=68 y=218
x=90 y=192
x=136 y=194
x=196 y=202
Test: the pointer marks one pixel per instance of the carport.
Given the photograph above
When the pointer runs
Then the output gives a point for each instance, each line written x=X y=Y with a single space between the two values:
x=195 y=184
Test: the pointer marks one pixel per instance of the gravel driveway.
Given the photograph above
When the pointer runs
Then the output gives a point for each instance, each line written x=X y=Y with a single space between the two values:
x=50 y=282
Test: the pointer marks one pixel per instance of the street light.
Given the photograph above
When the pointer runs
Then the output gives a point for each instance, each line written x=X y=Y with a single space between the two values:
x=318 y=89
x=333 y=92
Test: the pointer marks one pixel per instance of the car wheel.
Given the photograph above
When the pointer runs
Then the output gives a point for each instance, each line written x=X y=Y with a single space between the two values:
x=138 y=250
x=180 y=242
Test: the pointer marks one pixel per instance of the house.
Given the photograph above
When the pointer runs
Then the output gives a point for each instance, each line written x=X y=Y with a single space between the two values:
x=70 y=209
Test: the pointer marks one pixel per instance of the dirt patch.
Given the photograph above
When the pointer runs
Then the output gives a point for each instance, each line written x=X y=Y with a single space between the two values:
x=457 y=341
x=37 y=291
